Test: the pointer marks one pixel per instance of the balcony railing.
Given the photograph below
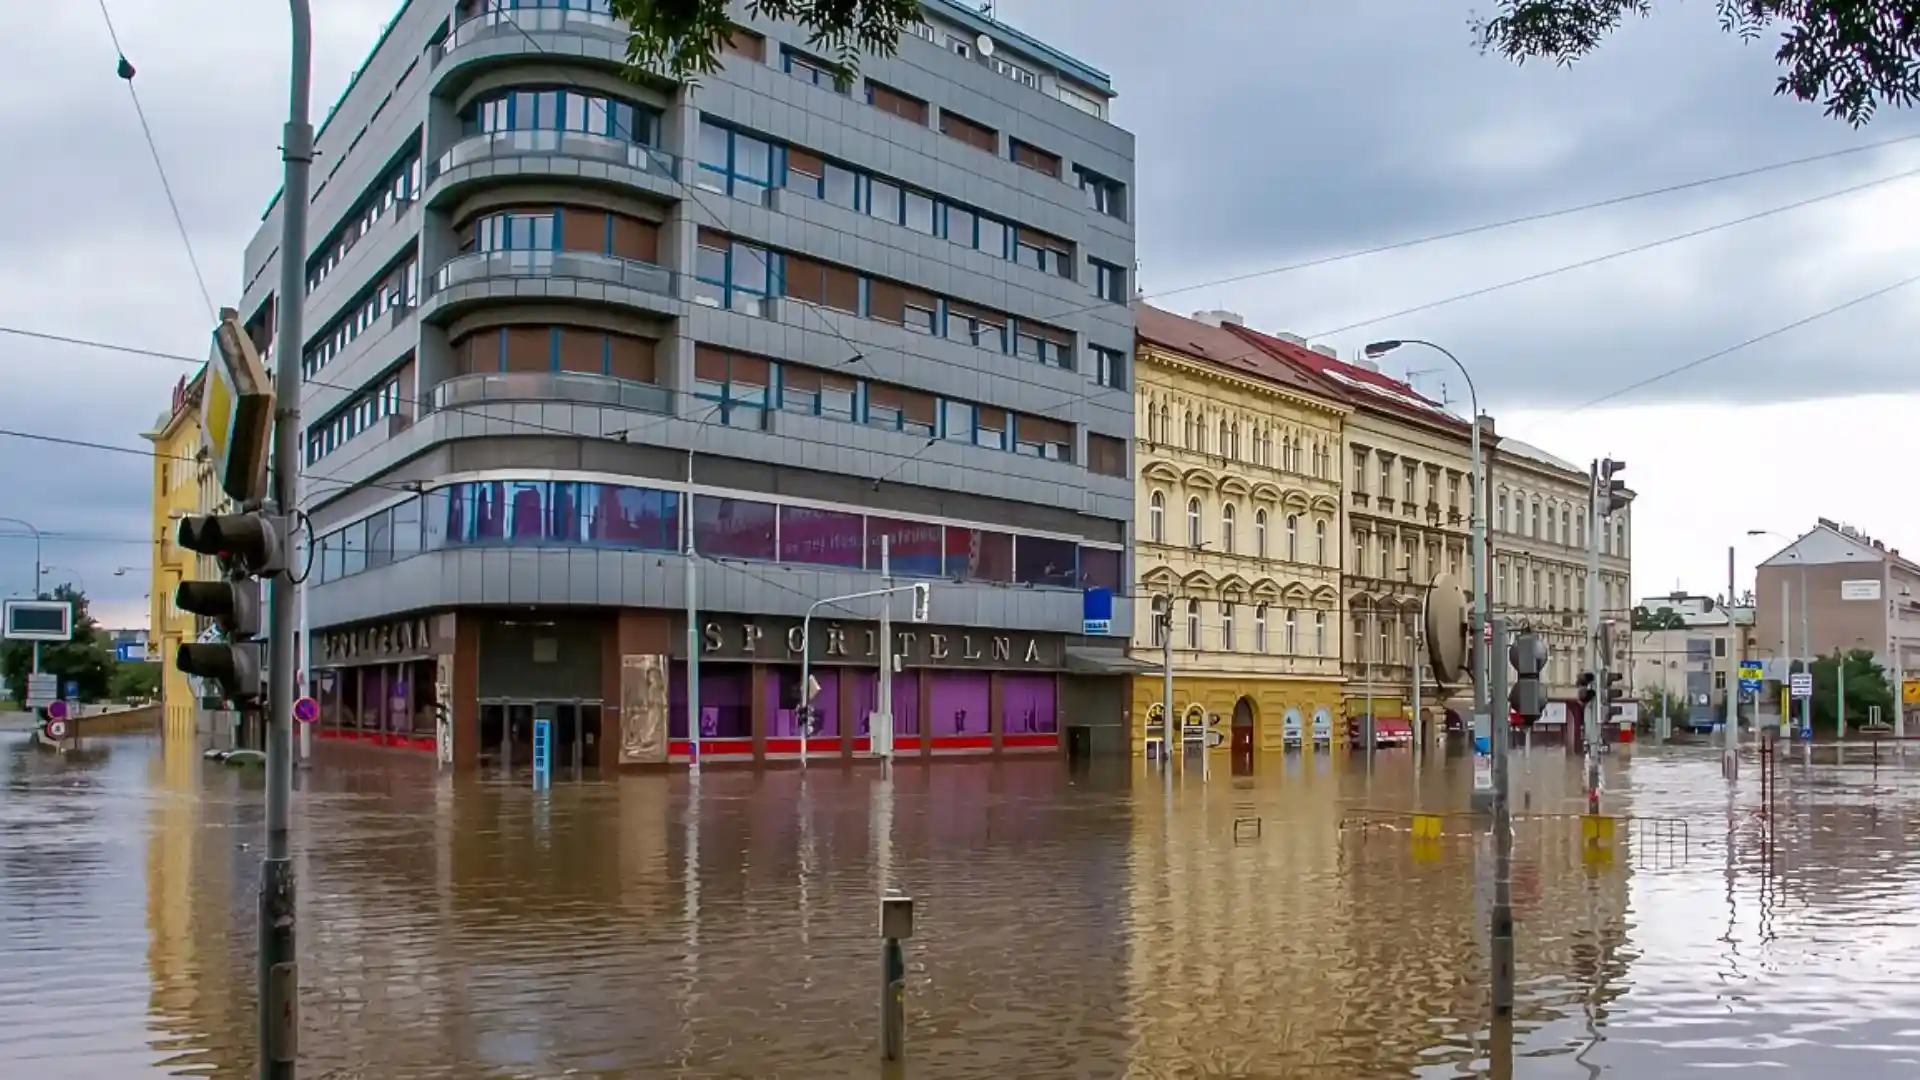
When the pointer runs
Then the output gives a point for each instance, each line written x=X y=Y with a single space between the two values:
x=541 y=20
x=494 y=145
x=577 y=387
x=577 y=265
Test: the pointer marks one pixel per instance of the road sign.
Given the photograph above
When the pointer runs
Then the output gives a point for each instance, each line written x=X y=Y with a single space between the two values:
x=1800 y=683
x=55 y=730
x=38 y=620
x=1482 y=772
x=43 y=689
x=57 y=710
x=73 y=690
x=306 y=710
x=1751 y=674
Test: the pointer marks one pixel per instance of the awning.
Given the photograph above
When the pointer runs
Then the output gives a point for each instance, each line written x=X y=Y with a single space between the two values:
x=1082 y=660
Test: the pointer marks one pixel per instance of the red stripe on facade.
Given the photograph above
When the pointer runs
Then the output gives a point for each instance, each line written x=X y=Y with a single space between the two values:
x=1031 y=742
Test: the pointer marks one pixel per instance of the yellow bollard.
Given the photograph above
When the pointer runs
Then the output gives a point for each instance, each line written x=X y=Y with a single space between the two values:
x=1426 y=827
x=1597 y=830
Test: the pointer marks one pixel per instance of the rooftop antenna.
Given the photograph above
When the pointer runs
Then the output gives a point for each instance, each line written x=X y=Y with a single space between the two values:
x=1445 y=400
x=987 y=9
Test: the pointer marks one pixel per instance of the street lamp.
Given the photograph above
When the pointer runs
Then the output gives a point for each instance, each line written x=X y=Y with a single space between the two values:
x=73 y=576
x=1479 y=521
x=1786 y=637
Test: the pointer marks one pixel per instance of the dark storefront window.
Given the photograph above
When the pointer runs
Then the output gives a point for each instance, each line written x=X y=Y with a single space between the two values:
x=733 y=528
x=913 y=546
x=1041 y=561
x=1100 y=568
x=979 y=555
x=821 y=537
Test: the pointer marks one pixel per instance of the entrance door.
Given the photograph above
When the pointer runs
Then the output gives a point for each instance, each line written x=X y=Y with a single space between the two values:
x=566 y=739
x=493 y=735
x=517 y=750
x=1242 y=745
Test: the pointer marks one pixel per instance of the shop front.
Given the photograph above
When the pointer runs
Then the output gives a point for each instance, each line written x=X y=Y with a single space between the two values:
x=1238 y=715
x=375 y=684
x=957 y=691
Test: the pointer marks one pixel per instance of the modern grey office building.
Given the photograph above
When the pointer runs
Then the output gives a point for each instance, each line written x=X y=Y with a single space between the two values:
x=556 y=315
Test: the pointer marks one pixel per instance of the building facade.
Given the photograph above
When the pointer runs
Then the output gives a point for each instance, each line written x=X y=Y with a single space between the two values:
x=1835 y=587
x=183 y=484
x=1407 y=516
x=559 y=320
x=1688 y=667
x=1238 y=529
x=1538 y=539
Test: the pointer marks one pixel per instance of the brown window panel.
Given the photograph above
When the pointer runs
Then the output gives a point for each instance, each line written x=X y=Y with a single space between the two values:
x=902 y=105
x=1106 y=455
x=988 y=417
x=529 y=348
x=917 y=407
x=964 y=310
x=636 y=239
x=840 y=288
x=1036 y=429
x=713 y=238
x=746 y=43
x=710 y=364
x=795 y=377
x=830 y=381
x=804 y=161
x=1047 y=333
x=1036 y=159
x=582 y=351
x=887 y=302
x=806 y=280
x=630 y=358
x=955 y=126
x=887 y=397
x=749 y=370
x=583 y=230
x=1036 y=238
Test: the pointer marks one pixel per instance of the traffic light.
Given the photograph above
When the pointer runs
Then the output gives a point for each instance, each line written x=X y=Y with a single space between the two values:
x=1529 y=657
x=922 y=601
x=1585 y=684
x=1163 y=618
x=1616 y=696
x=1613 y=491
x=248 y=547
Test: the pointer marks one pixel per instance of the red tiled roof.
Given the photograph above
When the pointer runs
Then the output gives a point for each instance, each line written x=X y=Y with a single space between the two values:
x=1363 y=386
x=1217 y=345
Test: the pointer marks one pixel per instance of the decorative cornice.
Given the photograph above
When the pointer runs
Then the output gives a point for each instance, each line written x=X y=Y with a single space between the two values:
x=1181 y=364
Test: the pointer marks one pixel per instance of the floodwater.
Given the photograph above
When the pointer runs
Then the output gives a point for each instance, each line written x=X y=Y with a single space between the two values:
x=1068 y=925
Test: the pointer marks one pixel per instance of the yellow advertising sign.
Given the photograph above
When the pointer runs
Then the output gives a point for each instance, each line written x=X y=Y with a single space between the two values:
x=1910 y=691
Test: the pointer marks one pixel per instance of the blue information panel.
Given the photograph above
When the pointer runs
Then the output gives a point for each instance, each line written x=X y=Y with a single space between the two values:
x=542 y=751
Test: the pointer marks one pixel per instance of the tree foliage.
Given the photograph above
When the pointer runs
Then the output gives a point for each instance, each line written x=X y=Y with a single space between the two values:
x=86 y=659
x=1850 y=56
x=683 y=38
x=1647 y=621
x=134 y=680
x=1867 y=686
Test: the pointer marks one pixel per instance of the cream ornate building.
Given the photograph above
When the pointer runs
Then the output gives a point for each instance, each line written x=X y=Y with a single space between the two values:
x=1239 y=526
x=1538 y=536
x=1408 y=516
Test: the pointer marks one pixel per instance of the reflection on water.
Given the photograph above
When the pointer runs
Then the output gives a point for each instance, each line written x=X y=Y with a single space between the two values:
x=1069 y=925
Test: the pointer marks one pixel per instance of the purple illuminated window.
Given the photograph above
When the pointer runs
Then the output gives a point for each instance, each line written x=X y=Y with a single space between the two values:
x=821 y=537
x=979 y=555
x=734 y=528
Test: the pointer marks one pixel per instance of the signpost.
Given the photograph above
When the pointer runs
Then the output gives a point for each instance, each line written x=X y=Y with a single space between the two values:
x=1801 y=684
x=1752 y=673
x=542 y=752
x=306 y=710
x=43 y=690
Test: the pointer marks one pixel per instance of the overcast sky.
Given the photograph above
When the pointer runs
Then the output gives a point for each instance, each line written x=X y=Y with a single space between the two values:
x=1268 y=135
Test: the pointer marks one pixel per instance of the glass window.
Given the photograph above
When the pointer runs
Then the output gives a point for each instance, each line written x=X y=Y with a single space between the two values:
x=1100 y=568
x=353 y=549
x=979 y=555
x=956 y=421
x=630 y=517
x=919 y=212
x=380 y=539
x=883 y=201
x=915 y=548
x=840 y=186
x=960 y=226
x=734 y=528
x=1044 y=561
x=1109 y=282
x=993 y=237
x=821 y=537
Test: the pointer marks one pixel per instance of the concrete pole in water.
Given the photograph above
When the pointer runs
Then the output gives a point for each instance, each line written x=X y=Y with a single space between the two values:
x=896 y=925
x=279 y=980
x=880 y=738
x=1166 y=692
x=1730 y=756
x=693 y=628
x=1501 y=931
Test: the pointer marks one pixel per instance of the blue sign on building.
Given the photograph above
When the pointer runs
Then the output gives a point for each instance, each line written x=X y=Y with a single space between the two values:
x=1096 y=611
x=542 y=751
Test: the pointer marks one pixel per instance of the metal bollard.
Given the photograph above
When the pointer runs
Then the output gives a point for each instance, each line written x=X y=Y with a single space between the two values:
x=896 y=925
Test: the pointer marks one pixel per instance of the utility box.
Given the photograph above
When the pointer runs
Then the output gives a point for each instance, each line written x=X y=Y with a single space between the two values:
x=896 y=917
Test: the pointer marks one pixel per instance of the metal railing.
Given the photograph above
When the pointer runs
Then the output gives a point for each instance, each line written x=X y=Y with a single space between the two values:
x=577 y=387
x=492 y=145
x=540 y=20
x=578 y=265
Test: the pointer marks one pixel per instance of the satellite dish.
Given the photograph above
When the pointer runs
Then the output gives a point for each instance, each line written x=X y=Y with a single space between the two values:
x=984 y=44
x=1445 y=622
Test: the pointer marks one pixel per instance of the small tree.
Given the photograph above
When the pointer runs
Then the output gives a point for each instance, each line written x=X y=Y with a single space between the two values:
x=86 y=660
x=1654 y=704
x=134 y=679
x=683 y=38
x=1866 y=683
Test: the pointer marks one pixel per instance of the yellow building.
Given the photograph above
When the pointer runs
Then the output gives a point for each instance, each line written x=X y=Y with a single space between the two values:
x=182 y=484
x=1238 y=506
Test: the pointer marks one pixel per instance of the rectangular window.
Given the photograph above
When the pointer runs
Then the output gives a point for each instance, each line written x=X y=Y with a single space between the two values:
x=980 y=136
x=1106 y=455
x=1109 y=367
x=1034 y=158
x=883 y=201
x=914 y=548
x=1103 y=195
x=804 y=172
x=883 y=406
x=1042 y=252
x=744 y=42
x=822 y=537
x=904 y=106
x=810 y=70
x=919 y=213
x=1109 y=281
x=1044 y=345
x=734 y=528
x=956 y=421
x=735 y=385
x=733 y=163
x=1040 y=437
x=1046 y=562
x=990 y=428
x=979 y=555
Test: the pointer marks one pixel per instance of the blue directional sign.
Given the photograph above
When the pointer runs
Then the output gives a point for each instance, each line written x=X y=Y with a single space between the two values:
x=1751 y=674
x=73 y=690
x=542 y=752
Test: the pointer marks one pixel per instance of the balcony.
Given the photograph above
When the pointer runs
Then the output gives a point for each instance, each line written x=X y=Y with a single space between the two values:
x=578 y=276
x=490 y=157
x=495 y=38
x=466 y=391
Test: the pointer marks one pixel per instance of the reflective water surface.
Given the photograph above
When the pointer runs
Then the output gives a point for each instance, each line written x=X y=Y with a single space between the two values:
x=1069 y=925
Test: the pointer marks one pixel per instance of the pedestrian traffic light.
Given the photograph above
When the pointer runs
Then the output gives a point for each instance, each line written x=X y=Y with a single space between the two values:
x=1613 y=492
x=1585 y=684
x=922 y=601
x=247 y=547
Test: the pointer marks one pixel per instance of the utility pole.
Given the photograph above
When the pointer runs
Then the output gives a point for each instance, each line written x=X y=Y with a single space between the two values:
x=693 y=627
x=279 y=980
x=1730 y=754
x=1529 y=656
x=1166 y=687
x=880 y=738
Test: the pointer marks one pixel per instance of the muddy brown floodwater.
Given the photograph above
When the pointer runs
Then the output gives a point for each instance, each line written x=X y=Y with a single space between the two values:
x=1070 y=925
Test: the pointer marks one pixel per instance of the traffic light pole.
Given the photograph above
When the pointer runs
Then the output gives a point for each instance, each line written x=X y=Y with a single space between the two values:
x=279 y=980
